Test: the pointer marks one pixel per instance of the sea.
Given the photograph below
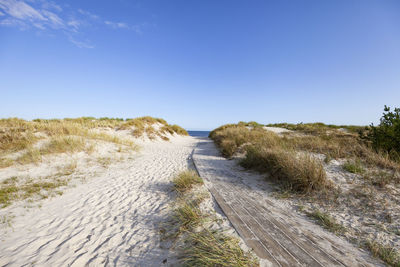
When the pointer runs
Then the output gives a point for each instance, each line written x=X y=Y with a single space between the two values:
x=199 y=133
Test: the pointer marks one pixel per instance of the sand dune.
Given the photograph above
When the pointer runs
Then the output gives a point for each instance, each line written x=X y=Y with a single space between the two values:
x=110 y=220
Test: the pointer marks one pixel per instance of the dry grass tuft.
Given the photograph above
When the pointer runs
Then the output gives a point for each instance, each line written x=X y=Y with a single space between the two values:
x=212 y=248
x=297 y=172
x=185 y=181
x=201 y=246
x=388 y=254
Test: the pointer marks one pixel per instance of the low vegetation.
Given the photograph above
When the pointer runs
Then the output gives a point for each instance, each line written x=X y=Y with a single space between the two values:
x=144 y=125
x=267 y=152
x=297 y=172
x=61 y=144
x=72 y=135
x=326 y=221
x=353 y=166
x=201 y=245
x=388 y=254
x=302 y=160
x=185 y=181
x=14 y=188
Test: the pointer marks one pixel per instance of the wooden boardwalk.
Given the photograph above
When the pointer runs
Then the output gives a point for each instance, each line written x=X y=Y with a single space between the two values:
x=277 y=235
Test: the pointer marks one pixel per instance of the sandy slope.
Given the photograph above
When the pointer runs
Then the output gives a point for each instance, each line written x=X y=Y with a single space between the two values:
x=112 y=219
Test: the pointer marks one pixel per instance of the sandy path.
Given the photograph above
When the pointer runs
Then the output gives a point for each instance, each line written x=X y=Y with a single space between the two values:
x=277 y=234
x=111 y=220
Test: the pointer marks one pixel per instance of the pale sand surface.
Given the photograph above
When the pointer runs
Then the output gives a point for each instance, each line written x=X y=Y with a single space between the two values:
x=112 y=219
x=277 y=130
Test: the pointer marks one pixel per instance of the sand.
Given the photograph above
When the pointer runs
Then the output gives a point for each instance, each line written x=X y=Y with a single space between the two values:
x=110 y=219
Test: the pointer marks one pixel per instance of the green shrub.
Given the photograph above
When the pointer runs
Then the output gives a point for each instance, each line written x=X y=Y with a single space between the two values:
x=386 y=136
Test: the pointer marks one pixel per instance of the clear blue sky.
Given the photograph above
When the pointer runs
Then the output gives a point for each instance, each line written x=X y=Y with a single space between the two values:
x=203 y=63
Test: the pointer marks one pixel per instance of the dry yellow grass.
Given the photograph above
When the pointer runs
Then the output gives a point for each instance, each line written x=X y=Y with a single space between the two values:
x=202 y=246
x=267 y=152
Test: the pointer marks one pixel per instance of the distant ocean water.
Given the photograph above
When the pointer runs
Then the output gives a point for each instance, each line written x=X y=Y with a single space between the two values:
x=199 y=133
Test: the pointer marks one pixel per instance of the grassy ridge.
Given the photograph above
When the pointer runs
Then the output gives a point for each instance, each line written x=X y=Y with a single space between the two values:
x=267 y=152
x=283 y=156
x=69 y=135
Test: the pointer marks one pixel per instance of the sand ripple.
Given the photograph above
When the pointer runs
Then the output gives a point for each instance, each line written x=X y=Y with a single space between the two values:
x=111 y=220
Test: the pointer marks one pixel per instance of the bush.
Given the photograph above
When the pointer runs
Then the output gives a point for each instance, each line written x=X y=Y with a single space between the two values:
x=386 y=136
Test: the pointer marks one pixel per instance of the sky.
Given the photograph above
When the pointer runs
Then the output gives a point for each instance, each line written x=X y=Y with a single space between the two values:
x=201 y=64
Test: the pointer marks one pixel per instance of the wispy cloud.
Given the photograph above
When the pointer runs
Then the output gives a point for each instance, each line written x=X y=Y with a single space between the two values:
x=87 y=13
x=80 y=44
x=116 y=25
x=45 y=15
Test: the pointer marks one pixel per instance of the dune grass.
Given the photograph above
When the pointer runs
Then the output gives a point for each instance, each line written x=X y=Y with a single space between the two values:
x=316 y=128
x=267 y=152
x=201 y=245
x=143 y=125
x=17 y=134
x=20 y=135
x=61 y=144
x=185 y=181
x=388 y=254
x=326 y=221
x=213 y=248
x=13 y=189
x=353 y=166
x=298 y=173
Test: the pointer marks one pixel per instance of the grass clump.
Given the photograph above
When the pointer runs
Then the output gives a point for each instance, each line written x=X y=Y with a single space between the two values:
x=353 y=166
x=326 y=221
x=298 y=172
x=212 y=248
x=202 y=246
x=388 y=254
x=179 y=130
x=63 y=144
x=188 y=214
x=185 y=181
x=56 y=145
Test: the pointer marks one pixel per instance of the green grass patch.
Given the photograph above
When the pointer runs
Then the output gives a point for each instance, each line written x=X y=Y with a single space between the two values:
x=354 y=166
x=326 y=221
x=14 y=189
